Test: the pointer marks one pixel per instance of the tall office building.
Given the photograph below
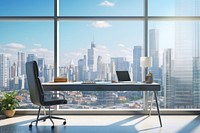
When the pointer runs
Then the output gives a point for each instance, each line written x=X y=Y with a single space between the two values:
x=91 y=58
x=137 y=72
x=101 y=75
x=71 y=71
x=41 y=65
x=186 y=56
x=4 y=71
x=196 y=61
x=167 y=79
x=154 y=53
x=82 y=69
x=13 y=70
x=20 y=63
x=113 y=71
x=48 y=73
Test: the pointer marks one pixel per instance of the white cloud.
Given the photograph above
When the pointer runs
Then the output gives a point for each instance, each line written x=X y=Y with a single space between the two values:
x=107 y=4
x=101 y=24
x=121 y=45
x=15 y=46
x=39 y=50
x=37 y=45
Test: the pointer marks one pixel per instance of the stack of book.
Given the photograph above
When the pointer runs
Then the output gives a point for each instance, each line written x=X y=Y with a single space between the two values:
x=60 y=79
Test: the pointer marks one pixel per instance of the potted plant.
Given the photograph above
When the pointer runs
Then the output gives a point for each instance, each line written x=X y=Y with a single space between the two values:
x=9 y=103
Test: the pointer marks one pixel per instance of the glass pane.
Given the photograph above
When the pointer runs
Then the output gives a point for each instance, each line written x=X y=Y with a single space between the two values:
x=93 y=51
x=174 y=47
x=21 y=42
x=174 y=7
x=101 y=8
x=27 y=8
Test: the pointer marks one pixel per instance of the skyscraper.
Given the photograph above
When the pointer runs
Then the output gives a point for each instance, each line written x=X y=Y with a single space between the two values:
x=13 y=71
x=91 y=58
x=4 y=71
x=41 y=65
x=82 y=69
x=186 y=56
x=167 y=79
x=101 y=75
x=20 y=63
x=154 y=53
x=137 y=72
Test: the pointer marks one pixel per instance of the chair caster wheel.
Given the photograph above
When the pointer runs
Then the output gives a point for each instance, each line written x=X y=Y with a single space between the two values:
x=52 y=127
x=30 y=126
x=64 y=122
x=44 y=120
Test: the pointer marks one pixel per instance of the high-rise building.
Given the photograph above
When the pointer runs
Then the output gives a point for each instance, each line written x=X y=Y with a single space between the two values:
x=186 y=51
x=113 y=71
x=101 y=72
x=13 y=71
x=82 y=69
x=154 y=53
x=4 y=71
x=167 y=79
x=48 y=73
x=20 y=63
x=41 y=65
x=91 y=58
x=137 y=72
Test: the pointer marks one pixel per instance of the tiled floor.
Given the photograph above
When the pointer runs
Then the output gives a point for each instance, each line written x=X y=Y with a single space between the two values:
x=104 y=124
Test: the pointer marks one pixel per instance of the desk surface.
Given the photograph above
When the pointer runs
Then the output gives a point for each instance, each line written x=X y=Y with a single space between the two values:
x=100 y=86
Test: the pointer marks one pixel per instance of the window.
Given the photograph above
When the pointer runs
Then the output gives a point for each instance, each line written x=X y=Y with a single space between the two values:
x=95 y=34
x=109 y=42
x=101 y=8
x=26 y=8
x=21 y=42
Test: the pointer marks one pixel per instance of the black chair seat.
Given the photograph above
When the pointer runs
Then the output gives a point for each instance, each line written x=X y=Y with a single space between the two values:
x=53 y=102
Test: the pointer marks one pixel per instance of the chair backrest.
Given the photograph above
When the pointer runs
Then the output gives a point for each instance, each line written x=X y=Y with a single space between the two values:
x=34 y=84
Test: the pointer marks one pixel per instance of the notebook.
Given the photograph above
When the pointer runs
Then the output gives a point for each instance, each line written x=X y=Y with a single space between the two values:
x=123 y=77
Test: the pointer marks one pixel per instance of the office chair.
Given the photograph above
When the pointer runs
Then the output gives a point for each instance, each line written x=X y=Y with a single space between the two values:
x=38 y=96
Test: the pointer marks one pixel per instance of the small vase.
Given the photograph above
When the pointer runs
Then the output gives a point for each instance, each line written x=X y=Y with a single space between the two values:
x=9 y=113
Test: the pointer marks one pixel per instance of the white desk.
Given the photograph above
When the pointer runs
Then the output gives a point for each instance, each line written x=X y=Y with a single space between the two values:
x=104 y=86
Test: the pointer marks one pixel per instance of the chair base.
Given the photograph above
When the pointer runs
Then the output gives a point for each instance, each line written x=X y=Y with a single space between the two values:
x=47 y=117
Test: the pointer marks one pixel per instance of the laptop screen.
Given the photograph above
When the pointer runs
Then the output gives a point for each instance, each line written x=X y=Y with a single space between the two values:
x=123 y=76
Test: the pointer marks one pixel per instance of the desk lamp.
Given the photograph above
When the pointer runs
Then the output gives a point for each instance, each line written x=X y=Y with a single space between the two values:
x=146 y=62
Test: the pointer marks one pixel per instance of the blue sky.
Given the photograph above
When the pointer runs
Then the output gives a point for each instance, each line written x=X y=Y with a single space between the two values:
x=113 y=38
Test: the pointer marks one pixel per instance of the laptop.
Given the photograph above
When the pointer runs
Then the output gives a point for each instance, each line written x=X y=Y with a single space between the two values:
x=123 y=77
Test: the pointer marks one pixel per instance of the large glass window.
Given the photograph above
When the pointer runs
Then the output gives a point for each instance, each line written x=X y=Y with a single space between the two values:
x=26 y=8
x=21 y=42
x=174 y=47
x=111 y=46
x=174 y=7
x=93 y=36
x=101 y=8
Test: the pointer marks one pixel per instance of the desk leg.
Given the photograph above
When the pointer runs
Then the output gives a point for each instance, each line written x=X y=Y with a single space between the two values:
x=158 y=109
x=151 y=103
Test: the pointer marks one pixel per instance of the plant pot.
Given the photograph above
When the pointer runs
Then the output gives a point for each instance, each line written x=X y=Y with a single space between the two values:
x=9 y=113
